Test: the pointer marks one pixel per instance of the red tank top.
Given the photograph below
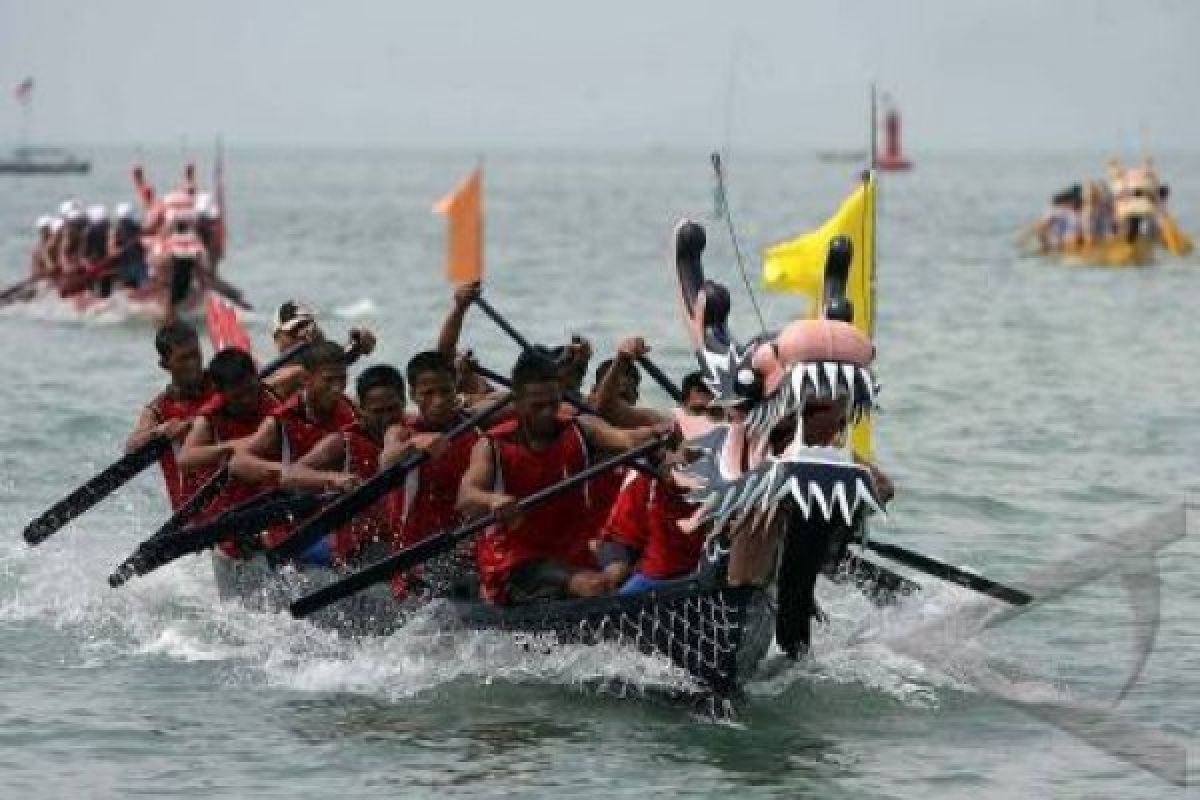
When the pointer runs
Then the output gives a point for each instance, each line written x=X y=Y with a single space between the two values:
x=166 y=406
x=558 y=529
x=224 y=429
x=646 y=518
x=427 y=503
x=299 y=433
x=361 y=458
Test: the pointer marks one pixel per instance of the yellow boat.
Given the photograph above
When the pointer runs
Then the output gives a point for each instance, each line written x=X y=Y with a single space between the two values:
x=1110 y=253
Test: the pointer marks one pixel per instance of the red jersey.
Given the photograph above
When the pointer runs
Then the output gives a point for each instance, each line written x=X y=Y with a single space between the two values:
x=557 y=529
x=646 y=518
x=169 y=405
x=427 y=503
x=300 y=432
x=225 y=429
x=361 y=458
x=299 y=429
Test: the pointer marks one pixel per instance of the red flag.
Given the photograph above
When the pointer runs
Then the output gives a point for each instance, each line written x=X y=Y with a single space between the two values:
x=24 y=91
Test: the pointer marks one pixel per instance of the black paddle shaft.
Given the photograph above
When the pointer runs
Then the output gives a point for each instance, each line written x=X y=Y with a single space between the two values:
x=443 y=542
x=118 y=474
x=504 y=324
x=953 y=574
x=101 y=486
x=651 y=368
x=342 y=510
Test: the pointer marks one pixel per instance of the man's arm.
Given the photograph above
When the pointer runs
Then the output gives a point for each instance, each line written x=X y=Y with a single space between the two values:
x=148 y=426
x=321 y=468
x=199 y=449
x=254 y=459
x=607 y=401
x=447 y=342
x=475 y=494
x=286 y=381
x=615 y=440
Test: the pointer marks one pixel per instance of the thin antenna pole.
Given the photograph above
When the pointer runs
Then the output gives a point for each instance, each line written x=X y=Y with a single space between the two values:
x=737 y=249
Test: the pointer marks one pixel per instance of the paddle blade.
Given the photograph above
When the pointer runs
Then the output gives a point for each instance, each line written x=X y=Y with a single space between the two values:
x=89 y=494
x=224 y=327
x=464 y=249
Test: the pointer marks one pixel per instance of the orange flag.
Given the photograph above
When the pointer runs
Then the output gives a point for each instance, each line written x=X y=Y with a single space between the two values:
x=464 y=250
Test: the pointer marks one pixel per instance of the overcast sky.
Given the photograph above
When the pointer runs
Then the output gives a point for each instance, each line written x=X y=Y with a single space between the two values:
x=966 y=73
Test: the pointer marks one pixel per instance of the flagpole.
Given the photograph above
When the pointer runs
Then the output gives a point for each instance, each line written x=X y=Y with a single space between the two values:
x=874 y=197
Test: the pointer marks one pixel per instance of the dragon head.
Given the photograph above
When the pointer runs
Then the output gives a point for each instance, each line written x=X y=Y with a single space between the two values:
x=788 y=397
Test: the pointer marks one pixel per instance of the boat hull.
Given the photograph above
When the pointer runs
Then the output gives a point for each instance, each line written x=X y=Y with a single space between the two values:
x=1111 y=253
x=45 y=168
x=148 y=303
x=717 y=634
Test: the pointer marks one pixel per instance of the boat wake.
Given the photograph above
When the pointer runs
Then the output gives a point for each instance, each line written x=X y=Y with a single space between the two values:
x=175 y=616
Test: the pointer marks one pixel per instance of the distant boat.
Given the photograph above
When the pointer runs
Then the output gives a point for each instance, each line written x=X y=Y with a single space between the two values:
x=892 y=159
x=842 y=156
x=43 y=161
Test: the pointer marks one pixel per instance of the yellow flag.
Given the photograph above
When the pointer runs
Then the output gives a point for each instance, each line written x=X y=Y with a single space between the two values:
x=798 y=266
x=464 y=249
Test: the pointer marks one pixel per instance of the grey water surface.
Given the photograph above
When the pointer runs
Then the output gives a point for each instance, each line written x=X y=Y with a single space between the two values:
x=1027 y=408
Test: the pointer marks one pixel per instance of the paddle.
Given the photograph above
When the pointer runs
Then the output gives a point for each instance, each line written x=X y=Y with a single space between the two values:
x=240 y=524
x=513 y=333
x=442 y=542
x=283 y=359
x=651 y=368
x=116 y=475
x=953 y=574
x=196 y=503
x=230 y=292
x=16 y=288
x=342 y=510
x=661 y=378
x=111 y=478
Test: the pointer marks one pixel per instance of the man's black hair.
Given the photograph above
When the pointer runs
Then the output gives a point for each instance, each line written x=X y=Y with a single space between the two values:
x=231 y=368
x=172 y=336
x=379 y=376
x=535 y=365
x=428 y=361
x=324 y=354
x=694 y=381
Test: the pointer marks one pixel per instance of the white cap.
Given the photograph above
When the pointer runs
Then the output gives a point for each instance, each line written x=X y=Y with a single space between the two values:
x=97 y=213
x=56 y=224
x=44 y=222
x=69 y=208
x=124 y=211
x=291 y=316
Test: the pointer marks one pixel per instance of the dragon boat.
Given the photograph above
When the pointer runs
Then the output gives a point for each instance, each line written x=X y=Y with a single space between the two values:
x=775 y=511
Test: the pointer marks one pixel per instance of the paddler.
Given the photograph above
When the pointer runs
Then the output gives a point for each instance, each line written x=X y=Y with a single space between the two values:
x=294 y=428
x=235 y=415
x=544 y=553
x=352 y=454
x=95 y=249
x=125 y=247
x=40 y=262
x=295 y=323
x=172 y=410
